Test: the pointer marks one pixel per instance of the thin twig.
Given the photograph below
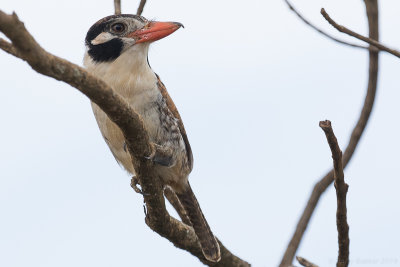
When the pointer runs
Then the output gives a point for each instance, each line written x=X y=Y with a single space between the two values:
x=117 y=7
x=341 y=192
x=130 y=123
x=305 y=263
x=345 y=30
x=141 y=7
x=306 y=21
x=323 y=184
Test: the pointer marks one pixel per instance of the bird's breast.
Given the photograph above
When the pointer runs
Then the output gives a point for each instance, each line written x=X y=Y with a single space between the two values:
x=138 y=85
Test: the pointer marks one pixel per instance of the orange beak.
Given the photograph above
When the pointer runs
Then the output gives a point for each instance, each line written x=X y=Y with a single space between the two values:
x=154 y=31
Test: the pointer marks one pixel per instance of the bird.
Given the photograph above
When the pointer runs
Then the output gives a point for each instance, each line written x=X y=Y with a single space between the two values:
x=116 y=50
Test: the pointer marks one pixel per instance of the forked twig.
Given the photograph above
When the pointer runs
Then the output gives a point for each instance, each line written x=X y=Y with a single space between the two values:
x=373 y=42
x=358 y=130
x=306 y=21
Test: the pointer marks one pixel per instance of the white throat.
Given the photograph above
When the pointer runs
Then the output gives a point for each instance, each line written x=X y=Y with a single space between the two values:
x=130 y=74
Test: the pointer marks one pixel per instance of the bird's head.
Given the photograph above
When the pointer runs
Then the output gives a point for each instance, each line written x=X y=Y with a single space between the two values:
x=112 y=36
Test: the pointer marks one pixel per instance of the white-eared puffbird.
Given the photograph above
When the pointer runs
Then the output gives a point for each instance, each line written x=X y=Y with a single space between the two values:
x=117 y=51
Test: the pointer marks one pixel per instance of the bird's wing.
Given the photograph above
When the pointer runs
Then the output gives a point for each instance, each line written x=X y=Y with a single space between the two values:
x=175 y=112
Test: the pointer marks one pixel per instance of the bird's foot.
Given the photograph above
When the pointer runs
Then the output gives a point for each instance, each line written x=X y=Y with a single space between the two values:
x=134 y=185
x=162 y=155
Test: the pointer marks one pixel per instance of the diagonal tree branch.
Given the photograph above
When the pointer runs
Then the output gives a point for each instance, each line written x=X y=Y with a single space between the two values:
x=341 y=192
x=359 y=36
x=323 y=184
x=141 y=7
x=157 y=218
x=306 y=21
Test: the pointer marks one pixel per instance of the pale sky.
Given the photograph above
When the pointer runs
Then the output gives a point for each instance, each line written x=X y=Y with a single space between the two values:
x=251 y=82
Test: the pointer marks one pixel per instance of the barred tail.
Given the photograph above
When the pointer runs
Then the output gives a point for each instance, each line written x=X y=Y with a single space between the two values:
x=208 y=242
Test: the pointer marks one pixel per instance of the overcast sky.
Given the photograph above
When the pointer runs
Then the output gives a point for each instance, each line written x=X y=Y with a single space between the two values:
x=251 y=82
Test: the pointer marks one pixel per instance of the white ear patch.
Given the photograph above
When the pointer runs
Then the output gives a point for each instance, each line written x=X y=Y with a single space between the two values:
x=102 y=38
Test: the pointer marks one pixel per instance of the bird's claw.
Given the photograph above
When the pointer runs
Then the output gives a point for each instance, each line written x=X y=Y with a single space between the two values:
x=134 y=185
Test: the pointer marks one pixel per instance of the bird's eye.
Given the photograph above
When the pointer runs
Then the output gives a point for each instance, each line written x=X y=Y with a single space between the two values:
x=118 y=27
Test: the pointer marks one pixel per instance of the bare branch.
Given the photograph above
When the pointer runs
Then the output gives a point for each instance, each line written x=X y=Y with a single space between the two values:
x=117 y=7
x=323 y=184
x=304 y=262
x=359 y=36
x=130 y=123
x=141 y=7
x=306 y=21
x=341 y=192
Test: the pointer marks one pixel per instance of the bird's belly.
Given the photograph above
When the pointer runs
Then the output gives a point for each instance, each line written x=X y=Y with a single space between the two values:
x=114 y=139
x=162 y=129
